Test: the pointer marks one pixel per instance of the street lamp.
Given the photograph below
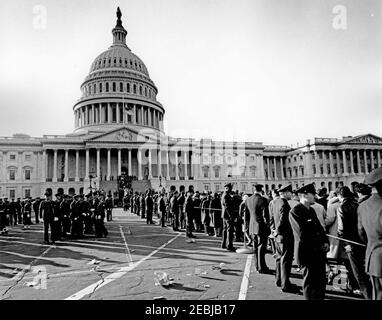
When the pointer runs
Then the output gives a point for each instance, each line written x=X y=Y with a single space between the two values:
x=160 y=181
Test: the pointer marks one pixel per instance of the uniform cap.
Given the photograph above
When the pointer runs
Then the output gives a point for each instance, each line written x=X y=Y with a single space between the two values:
x=309 y=188
x=374 y=176
x=229 y=185
x=285 y=188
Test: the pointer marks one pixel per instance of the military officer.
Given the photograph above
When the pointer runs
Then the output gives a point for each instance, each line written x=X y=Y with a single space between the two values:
x=370 y=230
x=283 y=235
x=229 y=217
x=100 y=229
x=109 y=207
x=258 y=229
x=27 y=213
x=311 y=244
x=189 y=211
x=36 y=206
x=76 y=217
x=142 y=204
x=88 y=221
x=65 y=211
x=47 y=212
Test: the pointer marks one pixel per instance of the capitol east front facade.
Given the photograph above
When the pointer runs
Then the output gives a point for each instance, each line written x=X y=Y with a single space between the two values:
x=119 y=131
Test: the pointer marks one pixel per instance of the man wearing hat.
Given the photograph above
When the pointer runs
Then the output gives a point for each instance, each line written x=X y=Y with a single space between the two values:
x=86 y=209
x=65 y=210
x=229 y=218
x=36 y=206
x=109 y=207
x=259 y=230
x=27 y=213
x=76 y=217
x=283 y=235
x=189 y=212
x=47 y=213
x=310 y=242
x=370 y=230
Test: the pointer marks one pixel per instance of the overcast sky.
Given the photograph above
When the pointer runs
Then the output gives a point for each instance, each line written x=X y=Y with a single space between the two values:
x=271 y=71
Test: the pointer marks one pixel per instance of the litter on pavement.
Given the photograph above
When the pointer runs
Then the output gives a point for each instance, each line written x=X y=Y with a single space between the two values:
x=94 y=261
x=162 y=279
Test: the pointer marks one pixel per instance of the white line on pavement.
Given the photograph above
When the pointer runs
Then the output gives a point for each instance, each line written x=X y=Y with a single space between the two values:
x=245 y=281
x=114 y=276
x=127 y=247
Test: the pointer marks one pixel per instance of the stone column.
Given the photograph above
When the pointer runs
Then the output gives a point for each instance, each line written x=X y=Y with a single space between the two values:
x=150 y=164
x=325 y=163
x=142 y=118
x=149 y=111
x=331 y=163
x=185 y=165
x=118 y=113
x=86 y=115
x=130 y=164
x=98 y=164
x=66 y=178
x=94 y=114
x=55 y=165
x=43 y=167
x=167 y=165
x=358 y=163
x=119 y=162
x=159 y=156
x=262 y=166
x=275 y=167
x=317 y=161
x=101 y=114
x=191 y=164
x=77 y=177
x=176 y=165
x=140 y=164
x=134 y=118
x=268 y=169
x=87 y=166
x=282 y=168
x=108 y=164
x=338 y=163
x=351 y=162
x=344 y=162
x=372 y=159
x=365 y=161
x=110 y=113
x=379 y=158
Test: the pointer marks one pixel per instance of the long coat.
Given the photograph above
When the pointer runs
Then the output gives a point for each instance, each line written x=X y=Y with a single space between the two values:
x=216 y=214
x=259 y=215
x=370 y=230
x=331 y=223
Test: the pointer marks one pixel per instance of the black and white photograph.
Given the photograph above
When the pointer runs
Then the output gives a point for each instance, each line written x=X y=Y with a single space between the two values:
x=210 y=152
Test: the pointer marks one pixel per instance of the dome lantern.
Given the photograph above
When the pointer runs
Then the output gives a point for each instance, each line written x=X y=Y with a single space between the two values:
x=119 y=32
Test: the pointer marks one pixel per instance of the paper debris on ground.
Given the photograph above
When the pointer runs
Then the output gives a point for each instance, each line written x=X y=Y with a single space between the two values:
x=207 y=286
x=32 y=284
x=162 y=279
x=221 y=266
x=94 y=261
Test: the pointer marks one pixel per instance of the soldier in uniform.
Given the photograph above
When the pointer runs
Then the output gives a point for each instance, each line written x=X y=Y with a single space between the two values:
x=88 y=221
x=229 y=217
x=311 y=244
x=12 y=213
x=109 y=207
x=238 y=226
x=149 y=205
x=189 y=210
x=207 y=216
x=174 y=211
x=283 y=235
x=47 y=212
x=57 y=220
x=142 y=204
x=18 y=210
x=137 y=206
x=181 y=200
x=197 y=212
x=27 y=214
x=215 y=210
x=370 y=230
x=258 y=229
x=36 y=206
x=100 y=229
x=76 y=217
x=65 y=211
x=162 y=209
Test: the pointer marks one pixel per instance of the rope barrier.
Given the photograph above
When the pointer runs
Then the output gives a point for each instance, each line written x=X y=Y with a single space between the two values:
x=345 y=240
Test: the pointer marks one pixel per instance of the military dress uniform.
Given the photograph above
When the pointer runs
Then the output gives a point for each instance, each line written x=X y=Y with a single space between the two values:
x=109 y=208
x=284 y=241
x=47 y=213
x=76 y=217
x=229 y=217
x=65 y=211
x=197 y=213
x=27 y=214
x=370 y=230
x=189 y=211
x=99 y=224
x=149 y=205
x=142 y=205
x=310 y=242
x=207 y=217
x=88 y=221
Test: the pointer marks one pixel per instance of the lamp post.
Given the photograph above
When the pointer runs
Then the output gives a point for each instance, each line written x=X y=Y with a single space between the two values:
x=160 y=181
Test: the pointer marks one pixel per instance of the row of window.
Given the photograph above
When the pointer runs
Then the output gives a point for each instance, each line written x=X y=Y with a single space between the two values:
x=13 y=172
x=127 y=87
x=11 y=192
x=13 y=157
x=217 y=171
x=120 y=62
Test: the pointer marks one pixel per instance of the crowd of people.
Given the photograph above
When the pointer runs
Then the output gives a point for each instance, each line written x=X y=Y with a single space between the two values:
x=313 y=228
x=66 y=217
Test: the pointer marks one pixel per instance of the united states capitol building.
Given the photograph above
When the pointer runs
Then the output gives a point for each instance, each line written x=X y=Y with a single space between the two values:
x=119 y=131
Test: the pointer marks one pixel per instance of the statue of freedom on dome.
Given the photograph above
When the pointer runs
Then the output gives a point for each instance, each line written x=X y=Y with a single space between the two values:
x=119 y=15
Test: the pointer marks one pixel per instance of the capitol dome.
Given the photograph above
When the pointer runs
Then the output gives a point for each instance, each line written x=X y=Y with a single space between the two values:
x=118 y=90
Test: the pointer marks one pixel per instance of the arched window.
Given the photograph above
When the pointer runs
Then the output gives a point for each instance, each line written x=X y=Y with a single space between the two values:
x=125 y=62
x=107 y=86
x=206 y=170
x=145 y=92
x=135 y=88
x=128 y=87
x=121 y=87
x=114 y=87
x=131 y=63
x=104 y=62
x=95 y=88
x=252 y=170
x=115 y=61
x=229 y=171
x=140 y=90
x=100 y=87
x=217 y=171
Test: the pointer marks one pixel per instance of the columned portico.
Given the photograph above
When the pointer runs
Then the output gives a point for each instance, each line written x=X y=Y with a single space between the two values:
x=359 y=163
x=365 y=162
x=55 y=165
x=108 y=164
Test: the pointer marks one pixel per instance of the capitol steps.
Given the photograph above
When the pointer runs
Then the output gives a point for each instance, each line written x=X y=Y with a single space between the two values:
x=141 y=185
